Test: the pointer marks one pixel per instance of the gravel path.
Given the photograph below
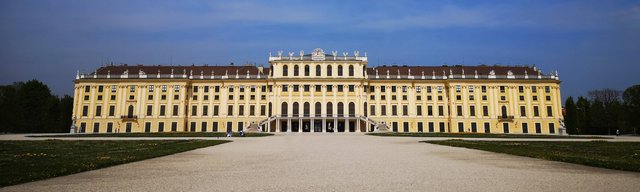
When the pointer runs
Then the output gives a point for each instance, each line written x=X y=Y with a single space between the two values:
x=340 y=162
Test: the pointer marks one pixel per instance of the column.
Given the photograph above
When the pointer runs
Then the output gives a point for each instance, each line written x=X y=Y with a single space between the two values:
x=299 y=125
x=358 y=125
x=288 y=125
x=312 y=129
x=324 y=125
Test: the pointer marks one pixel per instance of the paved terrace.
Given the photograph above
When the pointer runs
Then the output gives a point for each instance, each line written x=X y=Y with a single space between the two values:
x=339 y=162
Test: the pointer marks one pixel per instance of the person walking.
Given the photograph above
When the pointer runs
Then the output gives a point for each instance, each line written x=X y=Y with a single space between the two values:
x=617 y=132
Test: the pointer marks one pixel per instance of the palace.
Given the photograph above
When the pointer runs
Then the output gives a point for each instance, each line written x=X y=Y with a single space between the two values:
x=318 y=92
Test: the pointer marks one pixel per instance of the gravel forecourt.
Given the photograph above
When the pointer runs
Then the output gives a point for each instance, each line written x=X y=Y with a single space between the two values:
x=340 y=162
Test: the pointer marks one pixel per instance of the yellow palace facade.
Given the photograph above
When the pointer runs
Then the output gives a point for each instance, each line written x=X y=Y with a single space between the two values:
x=318 y=92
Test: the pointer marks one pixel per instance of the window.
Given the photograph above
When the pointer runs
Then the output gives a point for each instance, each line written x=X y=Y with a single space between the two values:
x=536 y=112
x=307 y=88
x=521 y=98
x=306 y=70
x=215 y=110
x=231 y=88
x=535 y=98
x=318 y=88
x=552 y=128
x=430 y=110
x=428 y=89
x=547 y=89
x=372 y=89
x=96 y=127
x=458 y=88
x=162 y=110
x=393 y=89
x=109 y=127
x=460 y=127
x=394 y=110
x=383 y=110
x=206 y=89
x=472 y=98
x=87 y=89
x=472 y=111
x=525 y=128
x=296 y=88
x=534 y=89
x=329 y=70
x=147 y=127
x=484 y=97
x=85 y=111
x=216 y=89
x=194 y=110
x=151 y=88
x=487 y=128
x=419 y=110
x=175 y=110
x=205 y=110
x=161 y=127
x=98 y=111
x=548 y=98
x=340 y=70
x=86 y=97
x=132 y=88
x=252 y=110
x=241 y=110
x=150 y=97
x=100 y=89
x=484 y=89
x=383 y=89
x=164 y=88
x=352 y=88
x=459 y=110
x=285 y=71
x=318 y=70
x=418 y=89
x=471 y=88
x=523 y=111
x=404 y=97
x=485 y=111
x=520 y=89
x=351 y=71
x=549 y=111
x=404 y=89
x=241 y=88
x=439 y=89
x=405 y=110
x=538 y=128
x=230 y=110
x=112 y=110
x=285 y=88
x=340 y=88
x=263 y=110
x=296 y=70
x=502 y=89
x=418 y=98
x=373 y=110
x=174 y=126
x=149 y=110
x=329 y=88
x=440 y=110
x=113 y=89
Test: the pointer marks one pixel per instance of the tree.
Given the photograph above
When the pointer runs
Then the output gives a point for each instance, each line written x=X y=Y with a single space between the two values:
x=583 y=121
x=34 y=101
x=631 y=97
x=571 y=117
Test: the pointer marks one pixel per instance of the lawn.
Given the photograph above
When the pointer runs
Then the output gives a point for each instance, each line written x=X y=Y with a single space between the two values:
x=612 y=155
x=24 y=161
x=165 y=134
x=484 y=135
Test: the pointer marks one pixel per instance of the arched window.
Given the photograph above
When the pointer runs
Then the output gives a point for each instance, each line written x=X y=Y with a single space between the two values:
x=284 y=109
x=285 y=71
x=296 y=70
x=130 y=111
x=352 y=109
x=307 y=109
x=318 y=109
x=340 y=109
x=318 y=70
x=306 y=70
x=296 y=109
x=340 y=71
x=329 y=70
x=329 y=109
x=504 y=111
x=351 y=71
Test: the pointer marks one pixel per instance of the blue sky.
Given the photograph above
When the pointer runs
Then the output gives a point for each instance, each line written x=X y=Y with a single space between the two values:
x=593 y=44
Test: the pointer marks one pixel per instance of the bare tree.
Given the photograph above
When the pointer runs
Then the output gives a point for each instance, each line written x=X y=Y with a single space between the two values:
x=606 y=96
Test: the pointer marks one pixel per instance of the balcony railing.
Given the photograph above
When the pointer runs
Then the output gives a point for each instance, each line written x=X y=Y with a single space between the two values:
x=129 y=117
x=505 y=118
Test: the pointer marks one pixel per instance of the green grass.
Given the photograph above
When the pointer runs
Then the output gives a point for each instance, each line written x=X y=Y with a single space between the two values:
x=483 y=135
x=25 y=161
x=612 y=155
x=165 y=134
